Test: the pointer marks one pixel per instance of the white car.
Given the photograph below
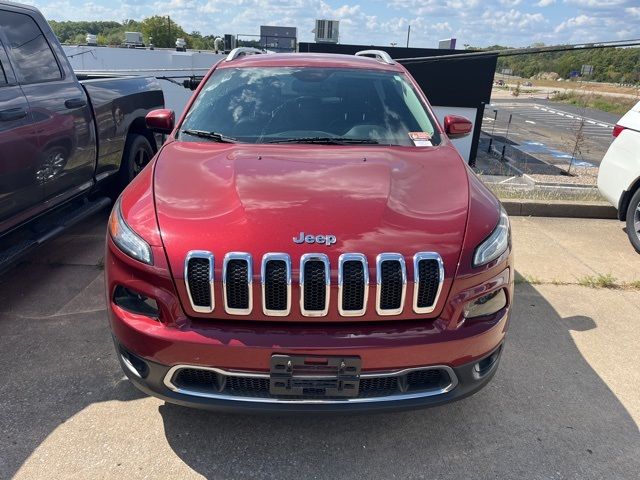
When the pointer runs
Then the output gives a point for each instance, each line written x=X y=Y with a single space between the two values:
x=619 y=176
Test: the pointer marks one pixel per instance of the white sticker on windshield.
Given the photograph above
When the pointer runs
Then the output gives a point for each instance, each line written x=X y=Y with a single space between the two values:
x=421 y=139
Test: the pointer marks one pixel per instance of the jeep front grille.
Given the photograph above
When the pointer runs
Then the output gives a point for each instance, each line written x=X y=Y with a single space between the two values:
x=353 y=283
x=427 y=281
x=314 y=278
x=392 y=283
x=198 y=277
x=314 y=285
x=237 y=278
x=276 y=284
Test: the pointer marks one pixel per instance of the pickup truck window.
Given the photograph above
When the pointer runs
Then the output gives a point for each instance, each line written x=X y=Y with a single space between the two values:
x=33 y=59
x=3 y=77
x=308 y=105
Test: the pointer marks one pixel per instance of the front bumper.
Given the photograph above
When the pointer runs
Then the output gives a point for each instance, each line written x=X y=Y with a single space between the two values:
x=156 y=380
x=151 y=355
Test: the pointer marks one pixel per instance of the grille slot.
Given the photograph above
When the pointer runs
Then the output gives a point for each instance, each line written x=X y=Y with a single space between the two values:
x=428 y=271
x=198 y=278
x=276 y=284
x=237 y=279
x=197 y=379
x=314 y=285
x=392 y=283
x=353 y=282
x=378 y=386
x=427 y=379
x=247 y=386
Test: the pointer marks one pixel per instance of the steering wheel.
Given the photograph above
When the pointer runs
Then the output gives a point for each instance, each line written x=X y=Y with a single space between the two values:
x=275 y=113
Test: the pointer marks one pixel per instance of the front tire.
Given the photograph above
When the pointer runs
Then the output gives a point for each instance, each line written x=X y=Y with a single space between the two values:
x=137 y=154
x=633 y=221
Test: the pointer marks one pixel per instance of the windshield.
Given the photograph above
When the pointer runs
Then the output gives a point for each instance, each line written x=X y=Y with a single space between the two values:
x=299 y=104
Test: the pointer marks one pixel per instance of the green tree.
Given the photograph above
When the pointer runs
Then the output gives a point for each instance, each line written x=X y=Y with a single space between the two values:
x=163 y=31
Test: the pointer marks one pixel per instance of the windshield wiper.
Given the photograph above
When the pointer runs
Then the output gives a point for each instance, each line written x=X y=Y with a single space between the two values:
x=327 y=140
x=216 y=137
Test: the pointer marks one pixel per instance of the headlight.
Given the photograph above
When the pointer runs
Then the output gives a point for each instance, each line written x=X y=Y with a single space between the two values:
x=486 y=305
x=126 y=239
x=496 y=244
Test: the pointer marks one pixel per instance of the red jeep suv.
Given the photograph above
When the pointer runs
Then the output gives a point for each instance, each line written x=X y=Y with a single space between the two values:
x=308 y=239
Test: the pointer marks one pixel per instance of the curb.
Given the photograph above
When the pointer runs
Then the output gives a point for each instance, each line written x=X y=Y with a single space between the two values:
x=559 y=208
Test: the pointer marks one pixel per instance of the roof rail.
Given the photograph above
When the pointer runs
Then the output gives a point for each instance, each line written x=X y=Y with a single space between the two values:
x=379 y=55
x=240 y=51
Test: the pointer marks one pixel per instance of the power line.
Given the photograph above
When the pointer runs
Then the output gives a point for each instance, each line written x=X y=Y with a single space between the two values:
x=512 y=52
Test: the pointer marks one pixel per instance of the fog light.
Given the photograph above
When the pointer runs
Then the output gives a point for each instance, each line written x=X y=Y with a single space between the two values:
x=134 y=364
x=484 y=365
x=486 y=305
x=135 y=302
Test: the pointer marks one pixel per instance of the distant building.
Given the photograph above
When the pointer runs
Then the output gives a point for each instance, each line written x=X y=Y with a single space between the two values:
x=447 y=44
x=279 y=39
x=133 y=39
x=92 y=40
x=327 y=31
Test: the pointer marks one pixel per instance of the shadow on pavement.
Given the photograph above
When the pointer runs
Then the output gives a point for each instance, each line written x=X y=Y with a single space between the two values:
x=546 y=414
x=55 y=347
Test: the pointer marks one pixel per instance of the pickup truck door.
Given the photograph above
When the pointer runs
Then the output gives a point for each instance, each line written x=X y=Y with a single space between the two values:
x=59 y=108
x=20 y=191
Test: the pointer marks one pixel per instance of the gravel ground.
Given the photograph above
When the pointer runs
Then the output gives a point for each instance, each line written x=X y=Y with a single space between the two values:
x=579 y=176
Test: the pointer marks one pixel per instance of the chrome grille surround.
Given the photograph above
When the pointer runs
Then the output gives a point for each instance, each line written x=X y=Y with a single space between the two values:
x=192 y=290
x=352 y=257
x=246 y=257
x=171 y=374
x=390 y=257
x=210 y=258
x=321 y=257
x=416 y=280
x=287 y=260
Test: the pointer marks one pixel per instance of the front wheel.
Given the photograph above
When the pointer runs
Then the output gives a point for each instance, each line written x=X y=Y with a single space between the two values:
x=633 y=220
x=137 y=154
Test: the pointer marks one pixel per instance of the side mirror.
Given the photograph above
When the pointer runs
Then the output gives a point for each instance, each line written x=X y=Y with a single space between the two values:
x=161 y=120
x=456 y=126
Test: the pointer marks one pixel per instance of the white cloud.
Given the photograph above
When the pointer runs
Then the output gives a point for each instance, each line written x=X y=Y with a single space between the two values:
x=577 y=22
x=545 y=3
x=598 y=4
x=510 y=3
x=513 y=19
x=633 y=11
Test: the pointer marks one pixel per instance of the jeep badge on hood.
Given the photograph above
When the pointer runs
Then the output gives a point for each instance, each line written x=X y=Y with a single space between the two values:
x=328 y=240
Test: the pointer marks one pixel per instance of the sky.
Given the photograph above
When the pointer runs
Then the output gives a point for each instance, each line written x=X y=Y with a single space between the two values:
x=478 y=23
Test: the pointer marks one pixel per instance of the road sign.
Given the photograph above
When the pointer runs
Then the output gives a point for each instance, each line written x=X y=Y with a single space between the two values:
x=586 y=70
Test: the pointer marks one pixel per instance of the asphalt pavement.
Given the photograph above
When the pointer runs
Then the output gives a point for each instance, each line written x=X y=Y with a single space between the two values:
x=549 y=130
x=564 y=404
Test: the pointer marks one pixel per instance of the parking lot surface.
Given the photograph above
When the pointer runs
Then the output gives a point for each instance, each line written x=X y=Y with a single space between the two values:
x=549 y=130
x=565 y=402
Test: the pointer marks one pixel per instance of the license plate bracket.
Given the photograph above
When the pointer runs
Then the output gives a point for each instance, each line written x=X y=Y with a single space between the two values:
x=314 y=376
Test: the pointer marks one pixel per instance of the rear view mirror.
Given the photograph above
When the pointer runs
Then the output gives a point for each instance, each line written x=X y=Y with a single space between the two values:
x=456 y=126
x=161 y=120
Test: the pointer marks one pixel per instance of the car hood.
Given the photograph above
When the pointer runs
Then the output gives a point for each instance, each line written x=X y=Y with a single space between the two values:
x=256 y=198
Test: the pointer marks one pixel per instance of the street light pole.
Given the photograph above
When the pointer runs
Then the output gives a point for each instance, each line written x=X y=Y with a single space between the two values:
x=408 y=34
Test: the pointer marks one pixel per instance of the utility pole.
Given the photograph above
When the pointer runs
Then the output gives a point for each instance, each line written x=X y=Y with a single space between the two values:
x=169 y=20
x=408 y=34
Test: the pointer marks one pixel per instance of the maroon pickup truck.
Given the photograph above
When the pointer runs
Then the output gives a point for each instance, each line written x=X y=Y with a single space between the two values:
x=59 y=137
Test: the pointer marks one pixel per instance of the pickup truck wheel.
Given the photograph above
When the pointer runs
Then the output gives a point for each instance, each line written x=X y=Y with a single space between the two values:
x=137 y=153
x=633 y=220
